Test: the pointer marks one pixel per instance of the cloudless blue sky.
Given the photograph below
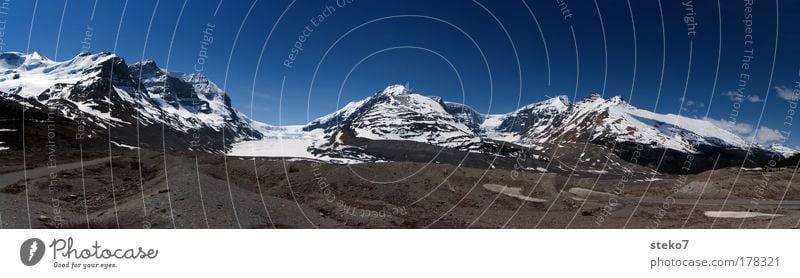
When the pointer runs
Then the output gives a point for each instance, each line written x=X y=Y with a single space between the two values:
x=414 y=42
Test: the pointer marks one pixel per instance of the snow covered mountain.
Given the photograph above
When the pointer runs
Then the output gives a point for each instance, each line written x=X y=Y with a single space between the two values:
x=100 y=92
x=143 y=105
x=783 y=150
x=527 y=122
x=397 y=114
x=595 y=119
x=606 y=126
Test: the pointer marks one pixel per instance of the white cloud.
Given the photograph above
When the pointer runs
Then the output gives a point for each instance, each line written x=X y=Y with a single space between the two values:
x=736 y=96
x=767 y=135
x=763 y=135
x=787 y=93
x=691 y=105
x=733 y=95
x=755 y=99
x=741 y=129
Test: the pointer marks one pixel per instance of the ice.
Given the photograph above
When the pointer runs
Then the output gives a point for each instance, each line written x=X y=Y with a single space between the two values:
x=738 y=214
x=514 y=192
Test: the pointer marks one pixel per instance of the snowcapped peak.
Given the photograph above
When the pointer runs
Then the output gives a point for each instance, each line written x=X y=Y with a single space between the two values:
x=145 y=63
x=146 y=68
x=593 y=97
x=396 y=89
x=616 y=100
x=783 y=150
x=38 y=56
x=563 y=99
x=557 y=102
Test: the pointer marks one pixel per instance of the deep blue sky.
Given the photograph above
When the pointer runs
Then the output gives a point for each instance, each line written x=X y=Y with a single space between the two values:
x=410 y=27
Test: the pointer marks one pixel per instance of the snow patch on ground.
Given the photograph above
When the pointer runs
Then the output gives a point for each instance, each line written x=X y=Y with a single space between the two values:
x=124 y=146
x=599 y=172
x=540 y=169
x=514 y=192
x=584 y=193
x=738 y=214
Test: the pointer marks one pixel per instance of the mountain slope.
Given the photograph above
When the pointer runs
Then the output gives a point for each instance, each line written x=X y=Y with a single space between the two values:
x=591 y=134
x=143 y=105
x=101 y=92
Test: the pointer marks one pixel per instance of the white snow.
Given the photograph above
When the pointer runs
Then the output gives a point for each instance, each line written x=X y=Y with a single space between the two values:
x=583 y=193
x=273 y=148
x=540 y=169
x=650 y=179
x=395 y=114
x=738 y=214
x=124 y=146
x=399 y=117
x=544 y=111
x=344 y=112
x=28 y=75
x=514 y=192
x=600 y=172
x=617 y=120
x=286 y=141
x=653 y=127
x=783 y=150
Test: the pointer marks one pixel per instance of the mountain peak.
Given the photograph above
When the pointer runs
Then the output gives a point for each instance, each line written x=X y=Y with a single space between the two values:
x=145 y=63
x=593 y=96
x=38 y=56
x=616 y=100
x=562 y=98
x=145 y=68
x=395 y=89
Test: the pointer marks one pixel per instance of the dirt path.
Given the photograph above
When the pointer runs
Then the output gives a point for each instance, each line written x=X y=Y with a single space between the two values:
x=12 y=178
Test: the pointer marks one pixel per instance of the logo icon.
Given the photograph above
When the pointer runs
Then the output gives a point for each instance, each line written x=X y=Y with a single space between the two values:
x=31 y=251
